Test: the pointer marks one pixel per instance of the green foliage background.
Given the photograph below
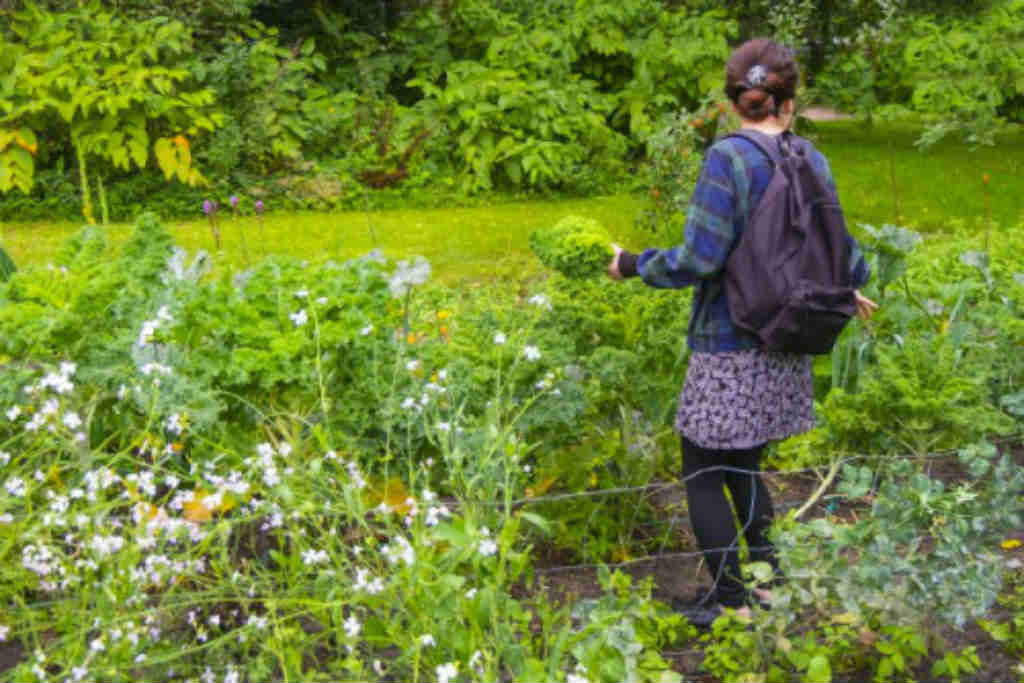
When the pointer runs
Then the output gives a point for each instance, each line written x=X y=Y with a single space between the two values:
x=333 y=101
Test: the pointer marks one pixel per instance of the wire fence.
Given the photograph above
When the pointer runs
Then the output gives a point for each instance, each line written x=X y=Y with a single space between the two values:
x=670 y=524
x=663 y=556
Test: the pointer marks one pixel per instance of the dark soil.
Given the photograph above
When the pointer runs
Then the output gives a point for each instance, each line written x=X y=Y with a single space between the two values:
x=682 y=575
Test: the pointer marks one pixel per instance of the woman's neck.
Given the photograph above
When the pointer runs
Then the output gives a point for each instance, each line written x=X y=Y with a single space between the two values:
x=770 y=126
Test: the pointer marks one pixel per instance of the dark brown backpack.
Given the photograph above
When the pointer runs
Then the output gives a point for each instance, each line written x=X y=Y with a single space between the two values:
x=788 y=279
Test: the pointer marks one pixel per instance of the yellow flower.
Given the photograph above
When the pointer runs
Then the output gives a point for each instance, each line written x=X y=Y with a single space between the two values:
x=443 y=315
x=1010 y=544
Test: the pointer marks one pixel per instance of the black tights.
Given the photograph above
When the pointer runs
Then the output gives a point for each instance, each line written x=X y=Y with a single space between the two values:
x=714 y=523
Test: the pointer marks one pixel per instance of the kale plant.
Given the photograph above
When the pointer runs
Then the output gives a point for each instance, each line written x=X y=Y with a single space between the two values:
x=576 y=247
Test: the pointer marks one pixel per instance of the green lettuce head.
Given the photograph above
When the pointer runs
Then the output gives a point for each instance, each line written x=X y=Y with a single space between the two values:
x=575 y=246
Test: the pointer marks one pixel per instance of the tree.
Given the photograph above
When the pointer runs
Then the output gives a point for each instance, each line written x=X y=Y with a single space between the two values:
x=109 y=86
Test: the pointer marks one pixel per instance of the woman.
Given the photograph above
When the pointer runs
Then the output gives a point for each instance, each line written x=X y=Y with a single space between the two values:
x=737 y=396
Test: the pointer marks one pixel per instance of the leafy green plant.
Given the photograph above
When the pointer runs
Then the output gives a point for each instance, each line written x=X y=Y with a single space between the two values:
x=966 y=73
x=955 y=664
x=609 y=647
x=115 y=86
x=574 y=246
x=675 y=153
x=652 y=60
x=279 y=109
x=7 y=267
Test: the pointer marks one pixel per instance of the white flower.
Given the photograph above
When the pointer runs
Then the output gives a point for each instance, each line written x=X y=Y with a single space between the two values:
x=322 y=301
x=471 y=593
x=5 y=457
x=150 y=368
x=487 y=547
x=13 y=413
x=58 y=382
x=4 y=631
x=37 y=421
x=446 y=673
x=16 y=487
x=6 y=518
x=499 y=338
x=576 y=678
x=352 y=626
x=372 y=587
x=366 y=330
x=541 y=301
x=310 y=557
x=72 y=421
x=427 y=640
x=299 y=318
x=444 y=426
x=412 y=365
x=97 y=645
x=531 y=353
x=401 y=550
x=79 y=672
x=258 y=623
x=476 y=661
x=408 y=274
x=175 y=425
x=302 y=293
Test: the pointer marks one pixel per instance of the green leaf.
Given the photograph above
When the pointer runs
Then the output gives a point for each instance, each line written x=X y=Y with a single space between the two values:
x=538 y=521
x=819 y=670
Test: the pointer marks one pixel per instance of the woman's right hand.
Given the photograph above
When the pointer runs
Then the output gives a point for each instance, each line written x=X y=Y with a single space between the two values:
x=865 y=306
x=613 y=265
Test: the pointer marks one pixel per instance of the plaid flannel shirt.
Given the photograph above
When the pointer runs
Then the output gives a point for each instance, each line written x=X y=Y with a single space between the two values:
x=732 y=181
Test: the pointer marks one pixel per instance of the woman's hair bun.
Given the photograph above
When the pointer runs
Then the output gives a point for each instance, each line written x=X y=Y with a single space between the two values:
x=760 y=76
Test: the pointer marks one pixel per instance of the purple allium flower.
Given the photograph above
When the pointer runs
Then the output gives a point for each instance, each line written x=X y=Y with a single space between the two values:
x=234 y=201
x=207 y=207
x=259 y=206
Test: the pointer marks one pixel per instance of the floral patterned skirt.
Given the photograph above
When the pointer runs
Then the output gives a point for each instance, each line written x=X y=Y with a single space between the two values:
x=742 y=399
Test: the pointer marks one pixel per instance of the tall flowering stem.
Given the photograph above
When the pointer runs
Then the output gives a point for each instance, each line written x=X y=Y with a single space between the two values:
x=259 y=216
x=210 y=209
x=241 y=228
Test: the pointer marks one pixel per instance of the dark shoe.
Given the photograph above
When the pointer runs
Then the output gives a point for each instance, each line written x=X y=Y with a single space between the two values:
x=698 y=615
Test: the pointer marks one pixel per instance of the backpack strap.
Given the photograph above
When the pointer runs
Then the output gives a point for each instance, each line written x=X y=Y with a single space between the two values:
x=770 y=145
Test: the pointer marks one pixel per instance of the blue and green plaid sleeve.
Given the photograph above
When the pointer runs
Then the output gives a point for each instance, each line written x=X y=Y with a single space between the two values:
x=708 y=235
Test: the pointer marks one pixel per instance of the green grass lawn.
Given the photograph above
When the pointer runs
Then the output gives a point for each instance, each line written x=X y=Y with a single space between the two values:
x=883 y=178
x=464 y=243
x=931 y=190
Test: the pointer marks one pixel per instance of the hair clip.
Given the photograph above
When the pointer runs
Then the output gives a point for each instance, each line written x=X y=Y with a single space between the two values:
x=756 y=76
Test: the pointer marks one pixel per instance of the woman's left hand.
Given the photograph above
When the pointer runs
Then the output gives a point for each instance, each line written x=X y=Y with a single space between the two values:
x=865 y=306
x=613 y=266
